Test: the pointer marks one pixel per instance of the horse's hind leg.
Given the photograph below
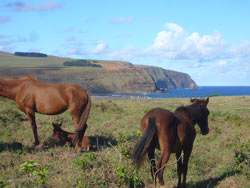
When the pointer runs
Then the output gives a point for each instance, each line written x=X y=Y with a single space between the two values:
x=179 y=168
x=151 y=157
x=32 y=120
x=76 y=117
x=165 y=154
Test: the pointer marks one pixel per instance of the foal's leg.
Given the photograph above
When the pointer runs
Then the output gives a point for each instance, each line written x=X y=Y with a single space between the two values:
x=179 y=168
x=187 y=153
x=32 y=119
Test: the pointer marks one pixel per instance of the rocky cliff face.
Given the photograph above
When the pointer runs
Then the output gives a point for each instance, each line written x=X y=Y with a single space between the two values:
x=167 y=79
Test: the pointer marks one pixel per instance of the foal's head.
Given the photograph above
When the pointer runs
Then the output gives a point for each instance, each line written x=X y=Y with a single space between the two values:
x=60 y=135
x=201 y=113
x=66 y=137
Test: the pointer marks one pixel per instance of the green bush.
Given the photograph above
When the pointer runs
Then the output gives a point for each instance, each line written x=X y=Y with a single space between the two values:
x=81 y=63
x=242 y=158
x=30 y=54
x=86 y=161
x=31 y=168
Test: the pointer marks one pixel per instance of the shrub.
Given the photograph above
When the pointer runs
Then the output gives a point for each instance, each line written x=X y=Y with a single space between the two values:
x=242 y=158
x=86 y=161
x=30 y=54
x=81 y=63
x=31 y=167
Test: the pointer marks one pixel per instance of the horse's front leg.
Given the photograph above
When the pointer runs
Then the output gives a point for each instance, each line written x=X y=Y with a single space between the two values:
x=187 y=153
x=32 y=119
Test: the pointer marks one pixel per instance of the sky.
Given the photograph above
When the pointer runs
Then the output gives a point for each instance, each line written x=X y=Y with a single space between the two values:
x=209 y=40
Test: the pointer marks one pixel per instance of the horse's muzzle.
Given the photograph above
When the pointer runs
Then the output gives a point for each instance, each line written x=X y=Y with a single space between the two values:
x=205 y=132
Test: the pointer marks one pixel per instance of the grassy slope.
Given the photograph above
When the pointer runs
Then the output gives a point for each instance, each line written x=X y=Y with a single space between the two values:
x=10 y=60
x=115 y=77
x=114 y=125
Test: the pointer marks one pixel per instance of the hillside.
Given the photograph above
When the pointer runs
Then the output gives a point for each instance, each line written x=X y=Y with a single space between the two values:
x=113 y=77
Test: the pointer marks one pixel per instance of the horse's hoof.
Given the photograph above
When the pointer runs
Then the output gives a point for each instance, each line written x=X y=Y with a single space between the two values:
x=38 y=148
x=162 y=186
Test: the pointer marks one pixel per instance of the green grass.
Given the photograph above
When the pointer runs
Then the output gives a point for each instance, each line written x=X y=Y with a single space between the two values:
x=219 y=159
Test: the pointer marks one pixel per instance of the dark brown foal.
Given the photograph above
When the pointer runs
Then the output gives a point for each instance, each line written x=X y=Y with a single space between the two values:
x=67 y=137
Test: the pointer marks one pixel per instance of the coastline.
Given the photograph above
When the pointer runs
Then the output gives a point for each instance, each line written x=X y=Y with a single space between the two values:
x=201 y=91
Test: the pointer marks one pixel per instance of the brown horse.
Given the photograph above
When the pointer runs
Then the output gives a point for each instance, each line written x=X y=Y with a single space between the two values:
x=67 y=137
x=32 y=96
x=171 y=133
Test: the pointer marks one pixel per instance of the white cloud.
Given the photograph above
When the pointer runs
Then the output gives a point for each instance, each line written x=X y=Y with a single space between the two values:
x=174 y=28
x=128 y=53
x=175 y=43
x=100 y=48
x=75 y=51
x=241 y=50
x=221 y=63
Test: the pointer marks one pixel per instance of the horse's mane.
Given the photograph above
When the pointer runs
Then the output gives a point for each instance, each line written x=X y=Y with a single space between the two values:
x=26 y=77
x=193 y=111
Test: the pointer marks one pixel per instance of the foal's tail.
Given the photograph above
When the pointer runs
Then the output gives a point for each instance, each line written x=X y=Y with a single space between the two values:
x=143 y=144
x=82 y=126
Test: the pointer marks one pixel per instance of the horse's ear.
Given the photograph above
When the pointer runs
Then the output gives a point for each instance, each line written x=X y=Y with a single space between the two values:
x=207 y=100
x=57 y=125
x=191 y=100
x=60 y=124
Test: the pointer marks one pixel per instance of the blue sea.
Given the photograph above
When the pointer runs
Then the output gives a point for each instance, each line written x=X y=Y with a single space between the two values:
x=202 y=91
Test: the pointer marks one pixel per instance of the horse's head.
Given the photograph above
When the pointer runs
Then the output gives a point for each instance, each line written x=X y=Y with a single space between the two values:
x=202 y=114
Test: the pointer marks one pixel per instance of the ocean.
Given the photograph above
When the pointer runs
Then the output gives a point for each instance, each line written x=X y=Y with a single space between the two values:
x=202 y=91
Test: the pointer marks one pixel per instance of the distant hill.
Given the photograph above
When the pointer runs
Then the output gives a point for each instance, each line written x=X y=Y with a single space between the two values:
x=111 y=77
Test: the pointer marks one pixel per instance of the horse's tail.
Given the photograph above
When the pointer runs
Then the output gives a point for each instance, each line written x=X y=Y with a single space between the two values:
x=82 y=126
x=144 y=142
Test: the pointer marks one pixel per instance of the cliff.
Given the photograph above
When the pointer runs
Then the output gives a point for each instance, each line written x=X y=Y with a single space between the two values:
x=111 y=77
x=167 y=79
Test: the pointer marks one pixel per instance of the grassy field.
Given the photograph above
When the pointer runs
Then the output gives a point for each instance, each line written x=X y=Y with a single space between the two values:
x=220 y=159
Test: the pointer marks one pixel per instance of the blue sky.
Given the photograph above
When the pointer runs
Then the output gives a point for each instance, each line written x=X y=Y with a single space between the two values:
x=209 y=40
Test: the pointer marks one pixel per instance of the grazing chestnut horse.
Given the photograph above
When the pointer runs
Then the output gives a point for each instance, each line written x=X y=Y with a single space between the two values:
x=32 y=96
x=67 y=137
x=171 y=133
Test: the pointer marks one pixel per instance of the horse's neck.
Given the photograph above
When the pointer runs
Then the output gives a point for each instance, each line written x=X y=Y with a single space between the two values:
x=184 y=116
x=9 y=88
